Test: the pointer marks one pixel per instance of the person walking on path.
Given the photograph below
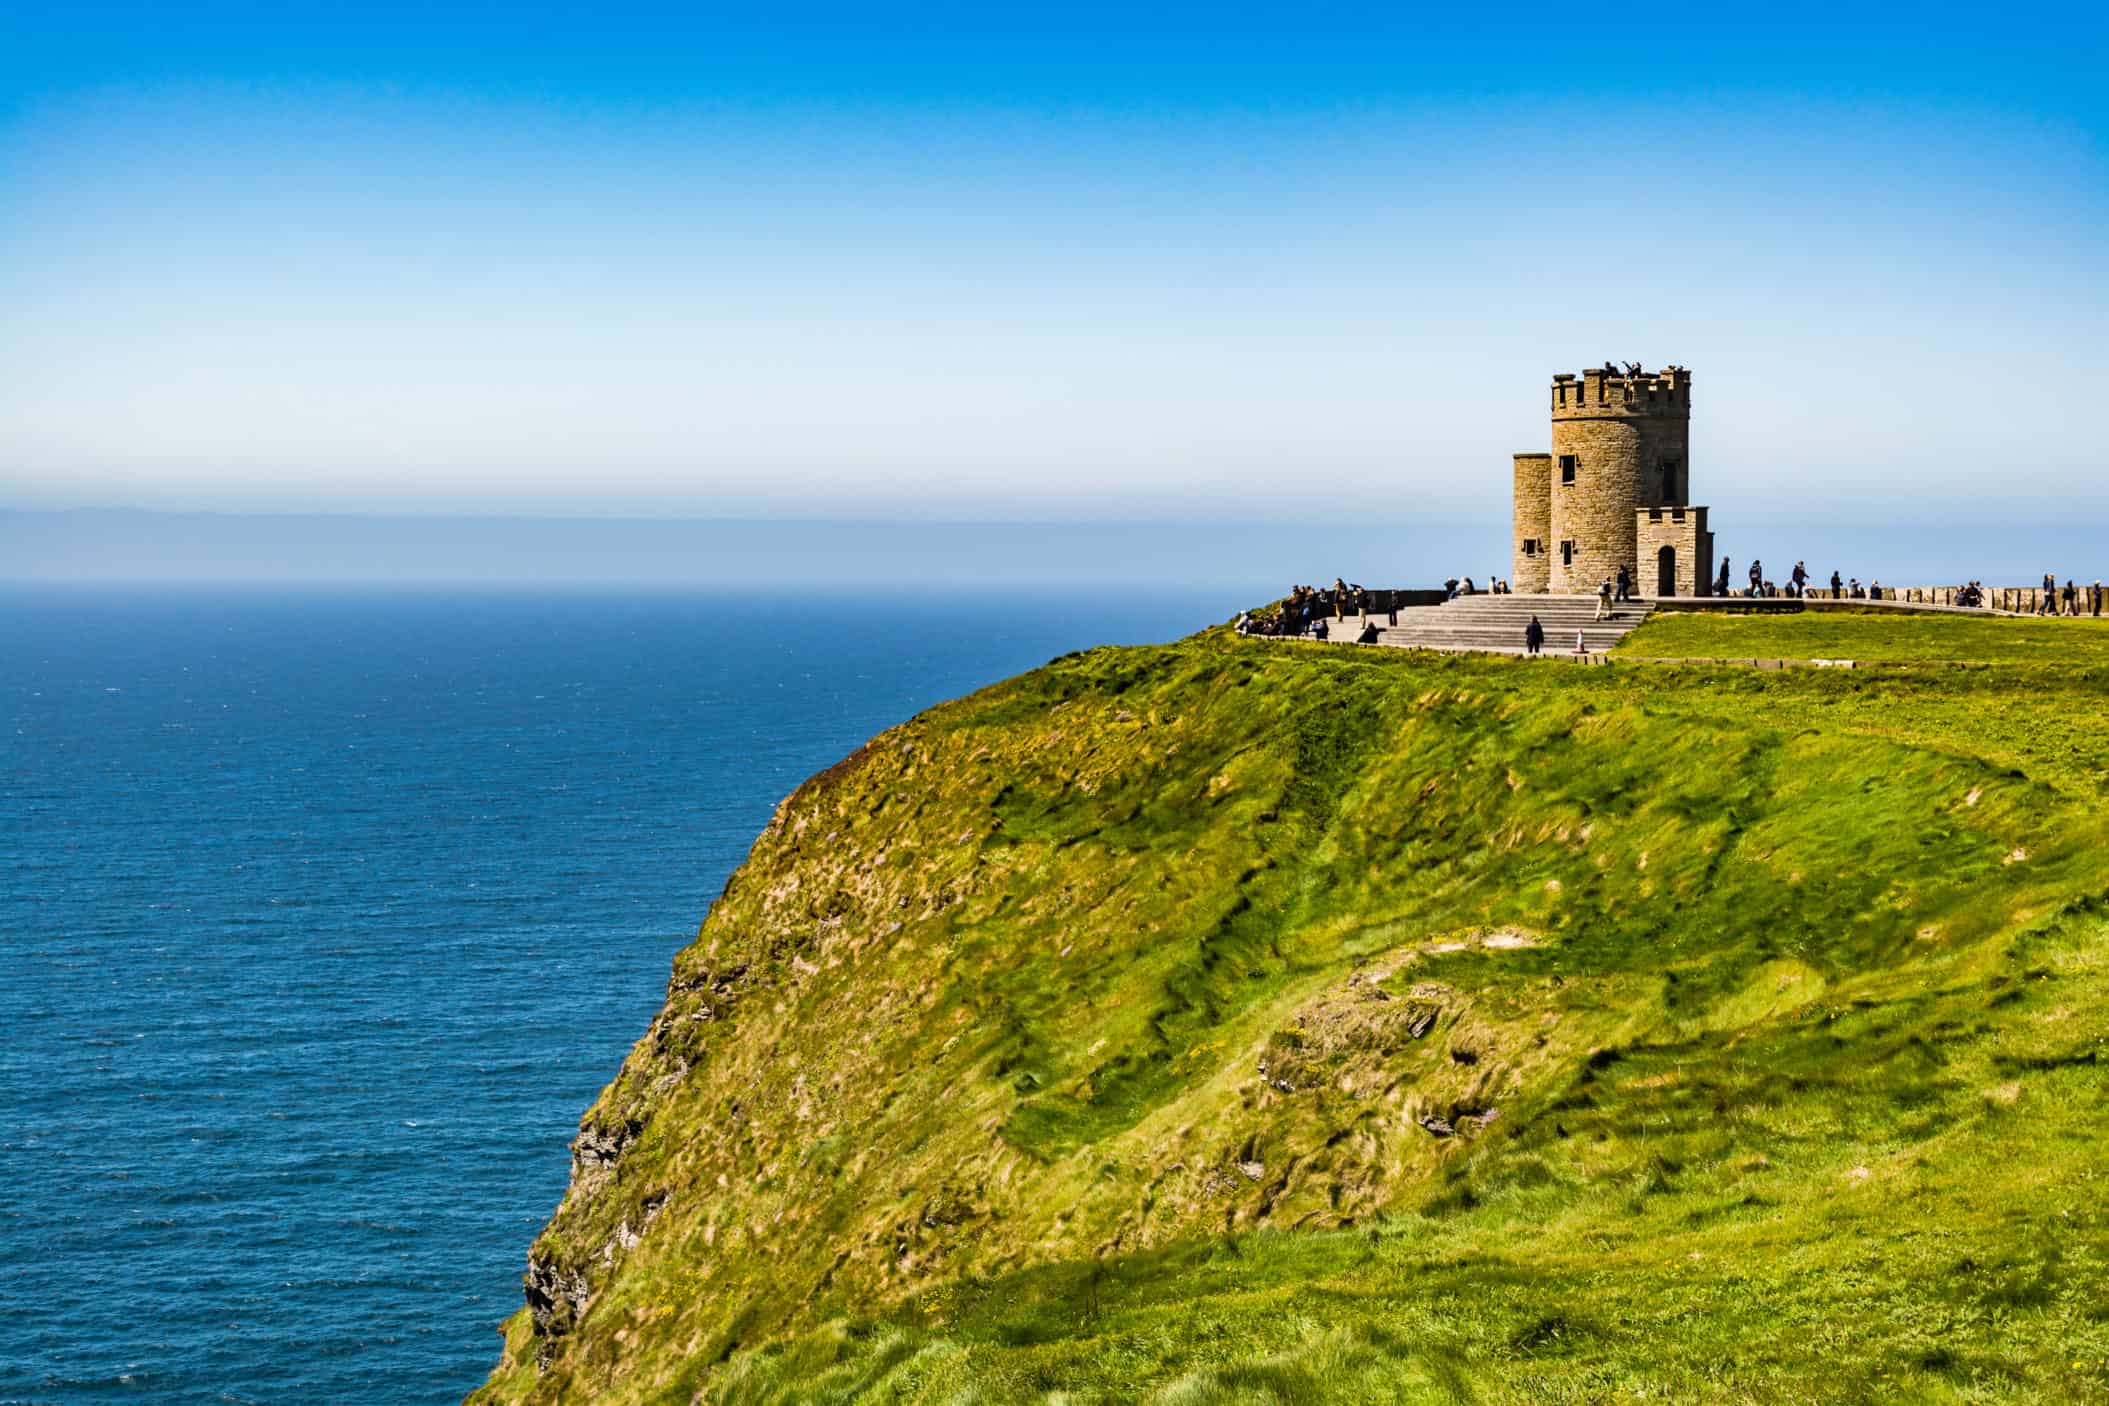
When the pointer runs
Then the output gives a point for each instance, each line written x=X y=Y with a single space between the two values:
x=2072 y=598
x=1625 y=584
x=1757 y=577
x=2098 y=597
x=1721 y=586
x=1801 y=579
x=1533 y=636
x=1603 y=598
x=1837 y=587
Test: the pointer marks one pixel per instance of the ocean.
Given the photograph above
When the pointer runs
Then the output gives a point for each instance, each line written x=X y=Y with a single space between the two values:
x=326 y=913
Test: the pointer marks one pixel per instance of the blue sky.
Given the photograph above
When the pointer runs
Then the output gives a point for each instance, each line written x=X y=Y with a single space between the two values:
x=1071 y=263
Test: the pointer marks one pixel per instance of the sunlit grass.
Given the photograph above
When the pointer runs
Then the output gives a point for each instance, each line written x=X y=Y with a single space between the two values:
x=1246 y=1022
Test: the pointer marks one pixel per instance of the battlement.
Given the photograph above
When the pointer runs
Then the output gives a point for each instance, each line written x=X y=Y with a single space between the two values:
x=1606 y=391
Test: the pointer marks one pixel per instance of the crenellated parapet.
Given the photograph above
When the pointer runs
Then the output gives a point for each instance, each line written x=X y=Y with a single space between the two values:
x=1603 y=391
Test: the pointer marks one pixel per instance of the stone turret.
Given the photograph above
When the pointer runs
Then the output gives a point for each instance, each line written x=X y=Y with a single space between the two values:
x=1530 y=563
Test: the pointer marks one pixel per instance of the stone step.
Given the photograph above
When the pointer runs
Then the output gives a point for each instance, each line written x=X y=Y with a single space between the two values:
x=1495 y=624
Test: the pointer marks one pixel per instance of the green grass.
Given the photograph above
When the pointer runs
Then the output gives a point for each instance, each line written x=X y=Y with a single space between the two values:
x=1873 y=636
x=1245 y=1022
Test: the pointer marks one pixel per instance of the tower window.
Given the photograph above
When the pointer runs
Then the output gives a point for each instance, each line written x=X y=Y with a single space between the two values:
x=1567 y=467
x=1669 y=478
x=1567 y=554
x=1530 y=546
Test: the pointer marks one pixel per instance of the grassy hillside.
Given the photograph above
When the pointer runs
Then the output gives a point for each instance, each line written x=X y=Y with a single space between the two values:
x=1238 y=1021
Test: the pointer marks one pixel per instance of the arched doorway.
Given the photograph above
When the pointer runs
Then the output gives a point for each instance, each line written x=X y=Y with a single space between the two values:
x=1666 y=572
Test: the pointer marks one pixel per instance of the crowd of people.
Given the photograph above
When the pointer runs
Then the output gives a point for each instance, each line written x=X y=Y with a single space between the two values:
x=1319 y=611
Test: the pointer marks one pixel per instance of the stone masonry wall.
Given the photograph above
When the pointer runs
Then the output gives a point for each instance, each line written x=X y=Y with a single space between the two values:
x=2026 y=600
x=1531 y=572
x=1683 y=530
x=1595 y=512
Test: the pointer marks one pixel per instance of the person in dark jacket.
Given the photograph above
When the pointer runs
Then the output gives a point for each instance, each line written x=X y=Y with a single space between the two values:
x=1533 y=636
x=1837 y=587
x=1625 y=585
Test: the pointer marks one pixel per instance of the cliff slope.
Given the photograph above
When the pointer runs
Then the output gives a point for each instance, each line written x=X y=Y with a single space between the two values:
x=1239 y=1021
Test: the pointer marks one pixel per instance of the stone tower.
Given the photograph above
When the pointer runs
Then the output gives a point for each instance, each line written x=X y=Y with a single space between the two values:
x=1615 y=491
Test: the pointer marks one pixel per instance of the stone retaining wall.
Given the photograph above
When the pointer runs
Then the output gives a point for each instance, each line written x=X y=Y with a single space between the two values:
x=2022 y=599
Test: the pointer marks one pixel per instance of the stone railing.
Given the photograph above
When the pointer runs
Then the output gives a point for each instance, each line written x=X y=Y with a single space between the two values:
x=2024 y=600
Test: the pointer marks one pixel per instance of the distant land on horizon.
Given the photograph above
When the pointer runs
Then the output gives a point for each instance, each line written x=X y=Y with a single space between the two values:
x=1244 y=557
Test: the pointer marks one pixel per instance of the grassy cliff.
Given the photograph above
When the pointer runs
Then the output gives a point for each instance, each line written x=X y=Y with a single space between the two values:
x=1238 y=1021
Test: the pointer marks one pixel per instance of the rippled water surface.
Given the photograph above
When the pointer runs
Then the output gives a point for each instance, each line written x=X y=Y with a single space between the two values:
x=325 y=915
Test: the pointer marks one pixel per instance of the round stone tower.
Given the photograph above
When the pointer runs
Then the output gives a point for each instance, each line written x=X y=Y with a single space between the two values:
x=1620 y=444
x=1530 y=554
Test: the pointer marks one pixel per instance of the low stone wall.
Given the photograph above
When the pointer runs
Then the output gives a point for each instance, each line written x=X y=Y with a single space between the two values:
x=2018 y=600
x=2024 y=600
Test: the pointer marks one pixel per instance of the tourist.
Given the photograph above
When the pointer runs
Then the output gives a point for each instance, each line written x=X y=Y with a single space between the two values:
x=1319 y=630
x=1721 y=586
x=1339 y=599
x=2047 y=599
x=1837 y=587
x=1801 y=579
x=1625 y=585
x=1368 y=634
x=1603 y=598
x=1533 y=636
x=1757 y=577
x=2098 y=597
x=2072 y=598
x=1450 y=589
x=1874 y=590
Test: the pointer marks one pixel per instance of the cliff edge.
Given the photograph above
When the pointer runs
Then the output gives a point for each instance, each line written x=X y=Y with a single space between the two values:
x=1239 y=1021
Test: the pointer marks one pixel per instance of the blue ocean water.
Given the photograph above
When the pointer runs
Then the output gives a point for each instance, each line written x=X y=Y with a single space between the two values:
x=323 y=916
